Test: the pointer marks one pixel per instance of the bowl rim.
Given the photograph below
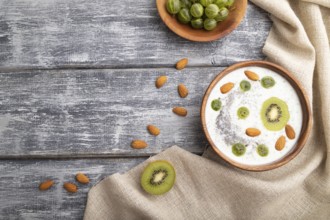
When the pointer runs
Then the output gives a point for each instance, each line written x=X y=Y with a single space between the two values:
x=183 y=34
x=303 y=98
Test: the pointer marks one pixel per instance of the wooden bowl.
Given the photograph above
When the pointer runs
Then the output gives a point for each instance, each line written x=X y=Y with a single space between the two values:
x=186 y=31
x=306 y=111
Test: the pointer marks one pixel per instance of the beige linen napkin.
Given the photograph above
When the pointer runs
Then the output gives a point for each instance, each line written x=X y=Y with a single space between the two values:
x=212 y=189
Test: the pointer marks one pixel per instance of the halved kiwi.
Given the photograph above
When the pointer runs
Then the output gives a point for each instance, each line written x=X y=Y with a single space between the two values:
x=267 y=82
x=245 y=85
x=158 y=177
x=243 y=112
x=274 y=114
x=238 y=149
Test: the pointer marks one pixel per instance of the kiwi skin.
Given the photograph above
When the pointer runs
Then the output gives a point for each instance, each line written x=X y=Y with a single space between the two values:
x=158 y=177
x=278 y=110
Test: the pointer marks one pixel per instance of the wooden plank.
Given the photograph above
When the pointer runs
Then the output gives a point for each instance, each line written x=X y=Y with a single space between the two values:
x=113 y=34
x=89 y=113
x=19 y=180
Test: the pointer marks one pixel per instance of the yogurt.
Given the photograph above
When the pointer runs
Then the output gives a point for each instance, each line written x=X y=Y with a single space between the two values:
x=226 y=128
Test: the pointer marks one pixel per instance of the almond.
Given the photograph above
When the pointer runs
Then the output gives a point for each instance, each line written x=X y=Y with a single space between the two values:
x=181 y=64
x=280 y=143
x=182 y=90
x=251 y=75
x=153 y=130
x=252 y=132
x=290 y=133
x=181 y=111
x=139 y=144
x=46 y=185
x=70 y=187
x=161 y=80
x=82 y=178
x=226 y=87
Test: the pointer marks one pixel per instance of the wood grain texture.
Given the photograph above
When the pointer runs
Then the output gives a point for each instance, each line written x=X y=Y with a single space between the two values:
x=19 y=180
x=68 y=113
x=113 y=34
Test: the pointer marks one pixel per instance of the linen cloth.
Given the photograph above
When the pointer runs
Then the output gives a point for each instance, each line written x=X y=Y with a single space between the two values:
x=207 y=187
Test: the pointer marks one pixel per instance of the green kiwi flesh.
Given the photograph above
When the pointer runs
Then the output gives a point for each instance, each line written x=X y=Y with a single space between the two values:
x=158 y=177
x=274 y=114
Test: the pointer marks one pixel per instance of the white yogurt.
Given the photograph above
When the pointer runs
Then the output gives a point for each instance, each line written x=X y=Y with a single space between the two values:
x=226 y=129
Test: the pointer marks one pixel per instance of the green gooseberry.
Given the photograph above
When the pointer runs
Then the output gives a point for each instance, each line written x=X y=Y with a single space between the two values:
x=220 y=3
x=197 y=10
x=173 y=6
x=197 y=23
x=210 y=24
x=212 y=11
x=222 y=15
x=184 y=16
x=185 y=4
x=238 y=149
x=205 y=3
x=216 y=104
x=229 y=3
x=262 y=150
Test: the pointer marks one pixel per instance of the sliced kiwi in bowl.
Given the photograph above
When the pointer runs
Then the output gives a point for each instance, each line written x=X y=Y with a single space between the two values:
x=158 y=177
x=274 y=114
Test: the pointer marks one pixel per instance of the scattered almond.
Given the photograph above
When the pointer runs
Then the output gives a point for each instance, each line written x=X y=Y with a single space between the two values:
x=181 y=111
x=161 y=80
x=252 y=132
x=280 y=143
x=153 y=130
x=226 y=87
x=181 y=64
x=82 y=178
x=139 y=144
x=182 y=90
x=70 y=187
x=251 y=75
x=46 y=185
x=290 y=133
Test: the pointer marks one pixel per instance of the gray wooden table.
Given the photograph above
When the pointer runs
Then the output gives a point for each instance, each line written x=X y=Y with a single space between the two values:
x=77 y=85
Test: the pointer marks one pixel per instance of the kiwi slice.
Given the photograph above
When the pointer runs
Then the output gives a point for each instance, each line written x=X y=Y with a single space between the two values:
x=274 y=114
x=243 y=112
x=158 y=177
x=267 y=82
x=238 y=149
x=262 y=150
x=245 y=85
x=216 y=104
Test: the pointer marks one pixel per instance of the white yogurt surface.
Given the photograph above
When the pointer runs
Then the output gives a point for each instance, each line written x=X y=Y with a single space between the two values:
x=226 y=129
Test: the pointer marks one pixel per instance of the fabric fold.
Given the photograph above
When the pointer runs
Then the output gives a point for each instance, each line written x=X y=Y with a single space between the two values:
x=207 y=187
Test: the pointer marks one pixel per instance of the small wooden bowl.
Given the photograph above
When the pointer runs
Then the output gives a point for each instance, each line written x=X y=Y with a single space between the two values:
x=306 y=110
x=186 y=31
